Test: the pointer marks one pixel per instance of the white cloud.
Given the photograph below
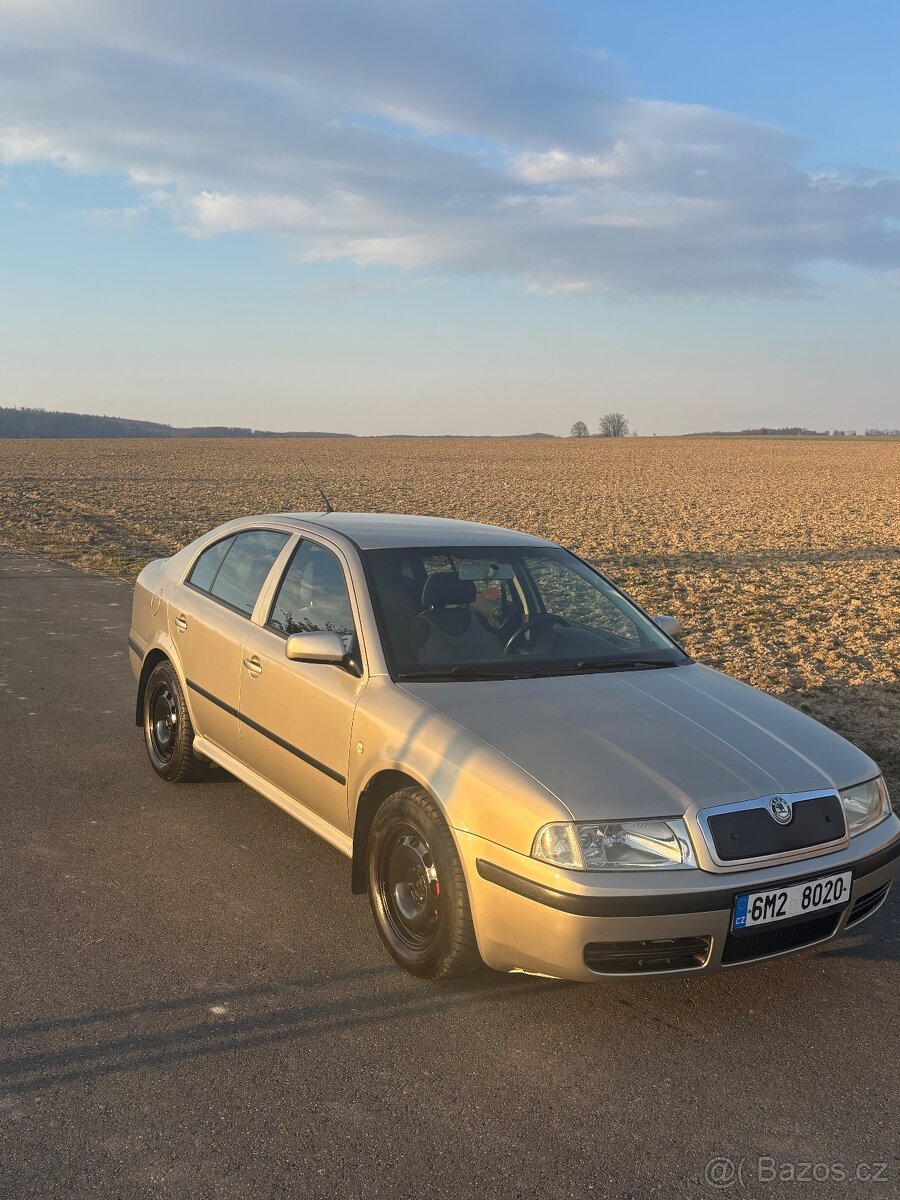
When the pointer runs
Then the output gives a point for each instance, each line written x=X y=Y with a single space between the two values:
x=115 y=218
x=18 y=145
x=574 y=287
x=419 y=135
x=218 y=212
x=559 y=166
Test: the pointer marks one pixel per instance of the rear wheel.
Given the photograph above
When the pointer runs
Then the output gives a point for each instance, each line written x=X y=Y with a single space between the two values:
x=168 y=732
x=417 y=889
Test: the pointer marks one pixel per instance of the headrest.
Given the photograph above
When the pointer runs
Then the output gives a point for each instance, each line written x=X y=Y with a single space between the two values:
x=322 y=577
x=444 y=588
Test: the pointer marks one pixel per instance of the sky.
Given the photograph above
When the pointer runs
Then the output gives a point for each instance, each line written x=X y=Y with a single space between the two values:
x=490 y=216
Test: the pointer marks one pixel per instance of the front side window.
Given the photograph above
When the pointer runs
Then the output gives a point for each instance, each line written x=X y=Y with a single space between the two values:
x=312 y=595
x=244 y=568
x=465 y=612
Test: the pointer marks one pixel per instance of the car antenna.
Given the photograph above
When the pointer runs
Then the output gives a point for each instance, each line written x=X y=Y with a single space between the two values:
x=329 y=507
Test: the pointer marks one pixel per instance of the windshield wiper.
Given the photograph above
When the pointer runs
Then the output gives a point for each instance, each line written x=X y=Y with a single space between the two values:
x=620 y=664
x=535 y=668
x=476 y=670
x=473 y=671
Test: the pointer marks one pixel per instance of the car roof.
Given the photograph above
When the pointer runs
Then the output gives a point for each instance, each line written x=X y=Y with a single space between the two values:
x=382 y=531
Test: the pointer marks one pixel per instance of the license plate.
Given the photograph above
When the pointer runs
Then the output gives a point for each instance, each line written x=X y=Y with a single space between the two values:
x=780 y=904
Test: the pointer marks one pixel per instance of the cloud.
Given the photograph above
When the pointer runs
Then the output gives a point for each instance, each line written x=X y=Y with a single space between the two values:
x=421 y=136
x=115 y=218
x=218 y=212
x=555 y=166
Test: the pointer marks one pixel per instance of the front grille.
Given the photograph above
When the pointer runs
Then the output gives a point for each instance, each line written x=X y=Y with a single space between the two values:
x=778 y=940
x=634 y=958
x=752 y=832
x=866 y=905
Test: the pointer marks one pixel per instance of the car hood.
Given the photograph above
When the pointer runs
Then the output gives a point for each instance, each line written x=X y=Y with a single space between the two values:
x=649 y=743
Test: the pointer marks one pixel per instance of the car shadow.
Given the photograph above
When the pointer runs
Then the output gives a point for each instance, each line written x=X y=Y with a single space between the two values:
x=228 y=1021
x=876 y=939
x=217 y=774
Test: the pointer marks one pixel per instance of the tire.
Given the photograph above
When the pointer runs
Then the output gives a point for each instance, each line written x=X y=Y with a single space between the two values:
x=168 y=732
x=417 y=889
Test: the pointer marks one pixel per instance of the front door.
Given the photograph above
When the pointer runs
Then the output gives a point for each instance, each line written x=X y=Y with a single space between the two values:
x=296 y=717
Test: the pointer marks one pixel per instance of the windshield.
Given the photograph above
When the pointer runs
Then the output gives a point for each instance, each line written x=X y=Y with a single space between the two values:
x=489 y=612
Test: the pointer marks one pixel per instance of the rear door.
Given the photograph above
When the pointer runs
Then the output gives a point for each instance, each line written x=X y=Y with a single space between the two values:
x=296 y=717
x=208 y=619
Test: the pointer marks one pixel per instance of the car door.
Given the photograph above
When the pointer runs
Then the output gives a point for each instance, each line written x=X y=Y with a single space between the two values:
x=296 y=717
x=208 y=618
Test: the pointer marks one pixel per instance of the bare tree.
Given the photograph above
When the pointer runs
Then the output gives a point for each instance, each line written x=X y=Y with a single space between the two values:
x=579 y=429
x=613 y=424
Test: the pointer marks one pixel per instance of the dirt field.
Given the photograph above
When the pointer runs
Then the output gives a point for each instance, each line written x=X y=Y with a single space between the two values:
x=782 y=558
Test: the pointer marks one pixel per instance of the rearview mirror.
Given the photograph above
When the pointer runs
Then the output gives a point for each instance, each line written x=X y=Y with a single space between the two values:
x=485 y=571
x=317 y=646
x=670 y=625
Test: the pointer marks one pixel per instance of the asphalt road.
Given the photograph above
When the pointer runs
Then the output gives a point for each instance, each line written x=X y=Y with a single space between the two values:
x=193 y=1005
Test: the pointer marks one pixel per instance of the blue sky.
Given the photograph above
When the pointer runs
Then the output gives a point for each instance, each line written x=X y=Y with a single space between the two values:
x=492 y=216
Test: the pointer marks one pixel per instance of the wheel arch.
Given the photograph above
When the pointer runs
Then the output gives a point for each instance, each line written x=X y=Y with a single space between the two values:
x=154 y=656
x=379 y=787
x=151 y=660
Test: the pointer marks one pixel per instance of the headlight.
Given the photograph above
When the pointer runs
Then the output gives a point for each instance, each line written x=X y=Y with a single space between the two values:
x=866 y=804
x=615 y=845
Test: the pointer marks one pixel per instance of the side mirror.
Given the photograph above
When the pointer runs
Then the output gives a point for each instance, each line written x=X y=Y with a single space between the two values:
x=318 y=646
x=670 y=625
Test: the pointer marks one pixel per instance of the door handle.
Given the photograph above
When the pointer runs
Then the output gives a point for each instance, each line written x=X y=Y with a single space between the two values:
x=181 y=623
x=254 y=666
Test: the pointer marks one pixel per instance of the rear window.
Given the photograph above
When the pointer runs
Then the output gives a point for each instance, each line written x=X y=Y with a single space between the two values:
x=207 y=565
x=244 y=568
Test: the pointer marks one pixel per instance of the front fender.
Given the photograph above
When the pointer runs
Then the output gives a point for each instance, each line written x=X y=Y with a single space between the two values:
x=478 y=790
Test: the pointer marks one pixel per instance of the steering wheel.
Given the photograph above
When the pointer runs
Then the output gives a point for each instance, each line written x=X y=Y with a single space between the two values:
x=532 y=623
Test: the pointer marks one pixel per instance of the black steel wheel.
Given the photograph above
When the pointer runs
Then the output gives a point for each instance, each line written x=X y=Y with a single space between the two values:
x=168 y=732
x=409 y=886
x=417 y=889
x=163 y=721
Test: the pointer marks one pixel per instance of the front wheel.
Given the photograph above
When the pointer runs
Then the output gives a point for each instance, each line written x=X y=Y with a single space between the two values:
x=417 y=889
x=168 y=732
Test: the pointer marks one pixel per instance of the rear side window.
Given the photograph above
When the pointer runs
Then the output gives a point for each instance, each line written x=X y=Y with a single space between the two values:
x=207 y=565
x=245 y=567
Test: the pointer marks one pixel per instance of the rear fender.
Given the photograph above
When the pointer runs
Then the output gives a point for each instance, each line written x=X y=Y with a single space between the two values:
x=163 y=647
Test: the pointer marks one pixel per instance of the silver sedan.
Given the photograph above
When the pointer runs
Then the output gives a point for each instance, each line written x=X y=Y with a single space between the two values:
x=523 y=767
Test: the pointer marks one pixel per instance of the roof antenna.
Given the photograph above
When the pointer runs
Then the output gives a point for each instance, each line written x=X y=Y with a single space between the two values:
x=329 y=508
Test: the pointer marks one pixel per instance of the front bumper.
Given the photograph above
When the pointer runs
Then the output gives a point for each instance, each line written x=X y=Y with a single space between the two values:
x=530 y=916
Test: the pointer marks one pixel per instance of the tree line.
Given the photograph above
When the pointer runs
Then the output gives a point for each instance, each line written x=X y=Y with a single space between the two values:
x=39 y=423
x=610 y=425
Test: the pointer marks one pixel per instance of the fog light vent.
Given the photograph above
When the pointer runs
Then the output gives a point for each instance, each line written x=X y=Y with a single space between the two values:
x=637 y=958
x=866 y=905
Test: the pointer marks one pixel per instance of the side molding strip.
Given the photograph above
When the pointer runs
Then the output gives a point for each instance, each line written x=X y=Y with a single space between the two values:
x=273 y=737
